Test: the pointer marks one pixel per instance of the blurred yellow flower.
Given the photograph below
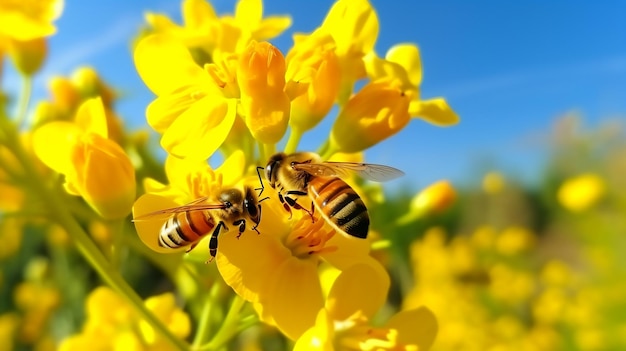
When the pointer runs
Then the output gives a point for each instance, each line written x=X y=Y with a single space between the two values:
x=95 y=167
x=23 y=27
x=581 y=192
x=37 y=302
x=514 y=240
x=9 y=322
x=435 y=198
x=113 y=325
x=493 y=183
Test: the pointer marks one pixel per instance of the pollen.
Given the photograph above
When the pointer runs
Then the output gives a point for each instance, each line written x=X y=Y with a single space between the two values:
x=309 y=236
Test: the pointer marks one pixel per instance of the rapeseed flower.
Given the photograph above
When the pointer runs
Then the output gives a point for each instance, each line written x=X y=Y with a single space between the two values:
x=581 y=192
x=235 y=100
x=111 y=324
x=94 y=166
x=24 y=25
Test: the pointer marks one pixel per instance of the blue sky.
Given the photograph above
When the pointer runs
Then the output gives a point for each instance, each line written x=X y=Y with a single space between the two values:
x=509 y=69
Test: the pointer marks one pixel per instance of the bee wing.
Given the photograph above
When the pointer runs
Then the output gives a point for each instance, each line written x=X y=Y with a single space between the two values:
x=196 y=205
x=377 y=173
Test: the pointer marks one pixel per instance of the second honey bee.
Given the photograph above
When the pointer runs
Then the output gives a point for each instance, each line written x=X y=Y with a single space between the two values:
x=304 y=173
x=189 y=223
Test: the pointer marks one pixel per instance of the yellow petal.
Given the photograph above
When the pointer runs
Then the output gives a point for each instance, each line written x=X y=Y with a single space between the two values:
x=249 y=12
x=361 y=288
x=91 y=118
x=271 y=27
x=166 y=108
x=53 y=143
x=249 y=263
x=319 y=337
x=407 y=56
x=196 y=13
x=165 y=64
x=415 y=327
x=435 y=111
x=353 y=24
x=201 y=130
x=148 y=228
x=294 y=296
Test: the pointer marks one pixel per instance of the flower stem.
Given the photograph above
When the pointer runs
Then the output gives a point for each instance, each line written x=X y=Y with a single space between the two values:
x=204 y=326
x=25 y=94
x=293 y=141
x=229 y=326
x=83 y=242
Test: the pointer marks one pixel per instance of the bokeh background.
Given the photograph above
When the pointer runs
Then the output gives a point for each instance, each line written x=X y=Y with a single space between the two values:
x=527 y=252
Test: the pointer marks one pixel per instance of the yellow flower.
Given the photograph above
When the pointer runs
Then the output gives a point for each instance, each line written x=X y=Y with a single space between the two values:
x=206 y=34
x=9 y=322
x=343 y=323
x=581 y=192
x=27 y=20
x=24 y=25
x=113 y=325
x=37 y=302
x=403 y=65
x=192 y=106
x=314 y=67
x=433 y=199
x=353 y=25
x=95 y=167
x=493 y=183
x=373 y=114
x=261 y=78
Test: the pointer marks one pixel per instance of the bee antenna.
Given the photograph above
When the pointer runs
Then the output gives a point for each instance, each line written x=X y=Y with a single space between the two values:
x=258 y=168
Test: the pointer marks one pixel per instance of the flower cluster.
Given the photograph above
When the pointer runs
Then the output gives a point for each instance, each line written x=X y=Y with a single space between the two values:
x=227 y=91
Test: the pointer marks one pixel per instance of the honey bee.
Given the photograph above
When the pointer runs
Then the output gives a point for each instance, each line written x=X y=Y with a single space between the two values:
x=304 y=173
x=189 y=223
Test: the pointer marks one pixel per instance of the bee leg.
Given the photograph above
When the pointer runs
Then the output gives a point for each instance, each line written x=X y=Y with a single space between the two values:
x=259 y=221
x=286 y=206
x=294 y=203
x=242 y=226
x=213 y=240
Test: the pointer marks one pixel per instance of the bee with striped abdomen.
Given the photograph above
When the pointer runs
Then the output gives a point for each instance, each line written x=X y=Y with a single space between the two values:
x=186 y=225
x=304 y=173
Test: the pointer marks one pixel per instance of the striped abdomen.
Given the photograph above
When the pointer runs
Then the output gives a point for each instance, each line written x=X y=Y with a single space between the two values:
x=340 y=204
x=185 y=228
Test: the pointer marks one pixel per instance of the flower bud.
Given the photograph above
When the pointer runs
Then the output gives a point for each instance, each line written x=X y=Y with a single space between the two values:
x=376 y=112
x=261 y=79
x=29 y=55
x=434 y=199
x=104 y=176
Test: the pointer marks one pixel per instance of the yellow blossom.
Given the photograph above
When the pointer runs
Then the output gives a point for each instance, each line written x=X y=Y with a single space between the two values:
x=113 y=325
x=192 y=107
x=433 y=199
x=581 y=192
x=24 y=26
x=354 y=27
x=374 y=113
x=95 y=167
x=312 y=65
x=402 y=64
x=493 y=183
x=514 y=240
x=261 y=78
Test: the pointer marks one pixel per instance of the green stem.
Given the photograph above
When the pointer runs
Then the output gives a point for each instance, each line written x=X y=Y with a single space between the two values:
x=204 y=326
x=246 y=322
x=229 y=327
x=83 y=242
x=327 y=150
x=25 y=94
x=380 y=245
x=293 y=141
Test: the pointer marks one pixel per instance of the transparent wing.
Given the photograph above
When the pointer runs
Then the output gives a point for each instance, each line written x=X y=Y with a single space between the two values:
x=196 y=205
x=377 y=173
